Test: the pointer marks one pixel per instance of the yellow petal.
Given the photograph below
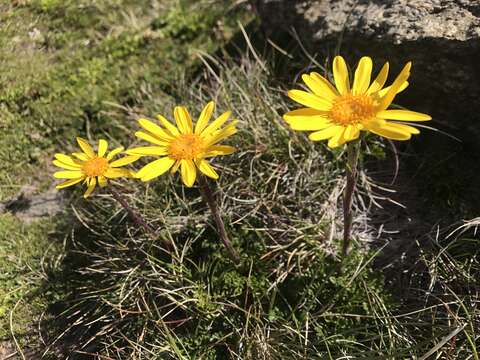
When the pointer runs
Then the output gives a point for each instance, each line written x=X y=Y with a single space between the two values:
x=114 y=152
x=113 y=173
x=304 y=114
x=124 y=161
x=351 y=132
x=325 y=133
x=328 y=90
x=65 y=166
x=168 y=125
x=205 y=167
x=221 y=134
x=81 y=156
x=204 y=117
x=389 y=132
x=86 y=148
x=155 y=129
x=337 y=140
x=175 y=167
x=216 y=150
x=183 y=119
x=389 y=96
x=313 y=123
x=320 y=86
x=216 y=124
x=67 y=160
x=310 y=100
x=403 y=128
x=148 y=150
x=102 y=147
x=384 y=91
x=68 y=174
x=307 y=119
x=68 y=183
x=406 y=115
x=150 y=138
x=155 y=168
x=188 y=171
x=379 y=81
x=90 y=188
x=363 y=75
x=340 y=74
x=102 y=181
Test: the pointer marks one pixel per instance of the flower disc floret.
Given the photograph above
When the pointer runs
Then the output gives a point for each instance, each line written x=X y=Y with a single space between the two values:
x=95 y=167
x=352 y=109
x=186 y=147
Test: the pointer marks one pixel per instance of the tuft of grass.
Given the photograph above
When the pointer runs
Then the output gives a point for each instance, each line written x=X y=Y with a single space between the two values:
x=290 y=298
x=108 y=290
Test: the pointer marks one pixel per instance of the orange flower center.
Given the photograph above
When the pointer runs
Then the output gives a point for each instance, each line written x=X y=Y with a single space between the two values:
x=186 y=146
x=352 y=109
x=95 y=167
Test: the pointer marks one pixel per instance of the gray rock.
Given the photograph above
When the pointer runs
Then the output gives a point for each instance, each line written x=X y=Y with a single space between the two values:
x=400 y=20
x=29 y=206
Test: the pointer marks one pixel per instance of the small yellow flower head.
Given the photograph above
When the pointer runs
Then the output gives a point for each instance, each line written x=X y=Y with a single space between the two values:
x=182 y=146
x=91 y=167
x=338 y=113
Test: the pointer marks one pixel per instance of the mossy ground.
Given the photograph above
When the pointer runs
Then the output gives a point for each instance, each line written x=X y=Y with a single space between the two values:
x=87 y=282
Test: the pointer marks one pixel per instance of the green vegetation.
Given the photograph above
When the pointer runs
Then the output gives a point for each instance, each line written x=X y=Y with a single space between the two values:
x=70 y=59
x=26 y=253
x=88 y=281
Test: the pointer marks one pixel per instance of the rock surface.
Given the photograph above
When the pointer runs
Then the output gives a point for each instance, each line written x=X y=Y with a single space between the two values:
x=29 y=206
x=400 y=20
x=442 y=38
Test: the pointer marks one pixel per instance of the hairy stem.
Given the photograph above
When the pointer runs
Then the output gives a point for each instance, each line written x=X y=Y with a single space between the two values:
x=209 y=198
x=353 y=151
x=136 y=217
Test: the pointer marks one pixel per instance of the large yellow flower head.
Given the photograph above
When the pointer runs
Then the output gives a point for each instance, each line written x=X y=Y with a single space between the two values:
x=91 y=167
x=339 y=113
x=184 y=146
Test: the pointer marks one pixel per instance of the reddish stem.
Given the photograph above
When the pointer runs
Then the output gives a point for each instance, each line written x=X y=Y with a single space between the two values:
x=353 y=150
x=209 y=198
x=136 y=217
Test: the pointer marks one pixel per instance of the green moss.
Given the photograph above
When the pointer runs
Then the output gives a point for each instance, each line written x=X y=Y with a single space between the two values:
x=24 y=259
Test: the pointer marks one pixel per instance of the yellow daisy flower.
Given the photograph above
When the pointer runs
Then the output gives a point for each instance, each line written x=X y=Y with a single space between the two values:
x=339 y=113
x=182 y=146
x=91 y=167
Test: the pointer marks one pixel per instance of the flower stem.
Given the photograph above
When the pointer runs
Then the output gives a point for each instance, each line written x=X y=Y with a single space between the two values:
x=353 y=151
x=209 y=198
x=137 y=218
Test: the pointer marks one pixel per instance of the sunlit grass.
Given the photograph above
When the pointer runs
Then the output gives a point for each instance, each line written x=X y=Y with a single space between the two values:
x=90 y=282
x=289 y=298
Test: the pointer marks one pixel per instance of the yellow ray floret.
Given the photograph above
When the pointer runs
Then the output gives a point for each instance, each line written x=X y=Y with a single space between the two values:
x=184 y=146
x=91 y=167
x=339 y=112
